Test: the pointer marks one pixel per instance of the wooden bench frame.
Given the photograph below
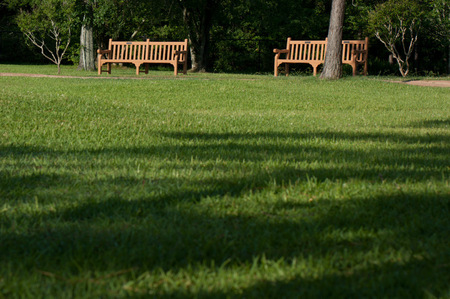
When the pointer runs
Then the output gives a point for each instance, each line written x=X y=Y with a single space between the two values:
x=354 y=53
x=144 y=52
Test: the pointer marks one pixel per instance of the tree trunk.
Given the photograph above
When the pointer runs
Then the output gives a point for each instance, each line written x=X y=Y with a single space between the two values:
x=199 y=21
x=332 y=68
x=87 y=57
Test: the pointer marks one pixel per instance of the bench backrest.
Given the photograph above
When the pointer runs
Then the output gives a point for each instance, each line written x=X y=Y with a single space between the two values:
x=146 y=51
x=314 y=50
x=301 y=50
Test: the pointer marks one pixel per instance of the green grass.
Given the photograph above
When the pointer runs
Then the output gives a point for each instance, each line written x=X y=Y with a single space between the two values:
x=223 y=186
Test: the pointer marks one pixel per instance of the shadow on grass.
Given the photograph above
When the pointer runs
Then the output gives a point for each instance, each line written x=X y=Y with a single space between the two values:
x=444 y=123
x=163 y=227
x=114 y=234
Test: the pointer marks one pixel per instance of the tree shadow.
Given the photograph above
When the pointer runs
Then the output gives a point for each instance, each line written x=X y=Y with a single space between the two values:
x=146 y=236
x=435 y=123
x=165 y=229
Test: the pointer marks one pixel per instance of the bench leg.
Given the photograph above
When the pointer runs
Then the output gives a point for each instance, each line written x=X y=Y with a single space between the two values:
x=138 y=65
x=108 y=68
x=287 y=69
x=146 y=68
x=275 y=69
x=175 y=68
x=100 y=64
x=185 y=67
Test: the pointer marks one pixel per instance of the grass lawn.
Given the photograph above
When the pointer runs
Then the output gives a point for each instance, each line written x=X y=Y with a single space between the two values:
x=223 y=186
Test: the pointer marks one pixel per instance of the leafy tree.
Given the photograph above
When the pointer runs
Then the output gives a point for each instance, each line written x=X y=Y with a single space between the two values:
x=332 y=68
x=438 y=26
x=245 y=32
x=396 y=24
x=48 y=21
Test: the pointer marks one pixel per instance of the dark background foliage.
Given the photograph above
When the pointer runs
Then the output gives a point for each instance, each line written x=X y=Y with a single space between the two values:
x=243 y=32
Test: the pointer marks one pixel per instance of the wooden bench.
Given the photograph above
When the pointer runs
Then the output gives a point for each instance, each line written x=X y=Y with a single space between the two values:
x=354 y=53
x=144 y=52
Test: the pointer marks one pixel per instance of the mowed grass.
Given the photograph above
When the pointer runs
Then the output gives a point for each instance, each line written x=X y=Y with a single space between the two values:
x=216 y=186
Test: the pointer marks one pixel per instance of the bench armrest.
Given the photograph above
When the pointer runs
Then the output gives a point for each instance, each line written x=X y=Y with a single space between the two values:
x=356 y=53
x=178 y=53
x=104 y=51
x=278 y=51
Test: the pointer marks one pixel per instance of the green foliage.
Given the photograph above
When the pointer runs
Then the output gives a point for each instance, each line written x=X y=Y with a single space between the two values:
x=42 y=14
x=243 y=33
x=248 y=31
x=120 y=19
x=12 y=44
x=396 y=13
x=437 y=28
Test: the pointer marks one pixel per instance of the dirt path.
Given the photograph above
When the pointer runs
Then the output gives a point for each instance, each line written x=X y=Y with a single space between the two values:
x=430 y=83
x=58 y=76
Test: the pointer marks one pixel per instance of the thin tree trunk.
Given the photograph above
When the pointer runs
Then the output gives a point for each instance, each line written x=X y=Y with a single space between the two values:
x=332 y=68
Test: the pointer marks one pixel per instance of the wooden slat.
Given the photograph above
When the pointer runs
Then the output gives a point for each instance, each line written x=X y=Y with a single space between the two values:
x=323 y=47
x=309 y=51
x=304 y=51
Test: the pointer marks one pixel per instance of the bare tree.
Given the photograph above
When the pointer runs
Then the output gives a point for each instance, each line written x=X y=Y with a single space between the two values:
x=396 y=24
x=48 y=22
x=332 y=68
x=407 y=43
